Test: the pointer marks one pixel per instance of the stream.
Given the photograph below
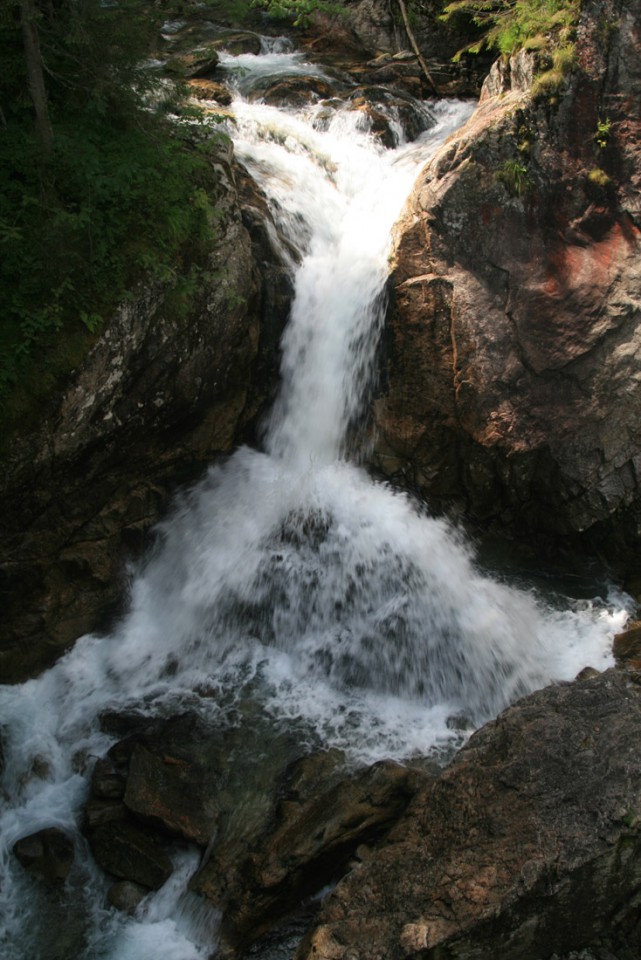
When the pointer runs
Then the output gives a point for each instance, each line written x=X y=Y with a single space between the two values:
x=288 y=592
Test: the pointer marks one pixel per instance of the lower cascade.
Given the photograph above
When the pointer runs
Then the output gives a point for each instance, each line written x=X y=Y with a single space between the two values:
x=289 y=596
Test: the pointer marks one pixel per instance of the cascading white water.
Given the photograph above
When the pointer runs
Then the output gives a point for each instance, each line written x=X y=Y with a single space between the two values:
x=287 y=577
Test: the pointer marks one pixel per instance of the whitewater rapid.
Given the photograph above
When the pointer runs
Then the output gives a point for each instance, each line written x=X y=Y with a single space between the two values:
x=287 y=578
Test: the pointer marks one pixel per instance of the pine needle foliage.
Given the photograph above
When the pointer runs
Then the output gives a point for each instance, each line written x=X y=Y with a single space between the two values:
x=119 y=193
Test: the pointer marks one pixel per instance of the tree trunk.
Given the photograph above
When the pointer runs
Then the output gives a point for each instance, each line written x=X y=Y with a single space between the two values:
x=415 y=47
x=35 y=73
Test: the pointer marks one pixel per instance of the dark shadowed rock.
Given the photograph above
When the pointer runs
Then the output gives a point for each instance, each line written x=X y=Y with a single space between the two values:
x=48 y=854
x=315 y=831
x=173 y=791
x=292 y=91
x=167 y=386
x=124 y=850
x=126 y=896
x=528 y=844
x=627 y=646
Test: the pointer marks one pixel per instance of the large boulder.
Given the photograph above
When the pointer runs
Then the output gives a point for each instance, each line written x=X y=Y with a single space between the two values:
x=270 y=835
x=169 y=384
x=307 y=844
x=528 y=845
x=513 y=347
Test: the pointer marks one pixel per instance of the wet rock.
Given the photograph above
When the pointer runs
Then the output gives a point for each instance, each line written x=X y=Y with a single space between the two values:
x=237 y=42
x=163 y=775
x=98 y=812
x=106 y=781
x=122 y=724
x=376 y=123
x=513 y=346
x=292 y=91
x=124 y=850
x=210 y=90
x=126 y=896
x=391 y=116
x=588 y=673
x=173 y=791
x=156 y=785
x=528 y=844
x=197 y=63
x=315 y=832
x=48 y=854
x=626 y=646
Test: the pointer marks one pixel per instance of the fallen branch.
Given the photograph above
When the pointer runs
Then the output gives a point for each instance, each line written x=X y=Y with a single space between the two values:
x=415 y=47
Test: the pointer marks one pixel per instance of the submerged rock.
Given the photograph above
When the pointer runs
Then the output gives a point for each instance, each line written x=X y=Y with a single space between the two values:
x=528 y=844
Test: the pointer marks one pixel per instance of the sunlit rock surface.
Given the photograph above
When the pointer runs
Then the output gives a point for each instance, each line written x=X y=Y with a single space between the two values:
x=513 y=352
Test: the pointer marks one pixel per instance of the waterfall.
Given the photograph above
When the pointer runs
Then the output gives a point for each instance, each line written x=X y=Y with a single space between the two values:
x=287 y=578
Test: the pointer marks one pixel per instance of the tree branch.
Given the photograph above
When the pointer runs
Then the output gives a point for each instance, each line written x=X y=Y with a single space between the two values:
x=415 y=47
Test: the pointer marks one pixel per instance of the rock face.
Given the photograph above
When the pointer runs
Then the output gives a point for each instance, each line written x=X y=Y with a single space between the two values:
x=166 y=387
x=374 y=29
x=307 y=845
x=268 y=842
x=512 y=381
x=527 y=845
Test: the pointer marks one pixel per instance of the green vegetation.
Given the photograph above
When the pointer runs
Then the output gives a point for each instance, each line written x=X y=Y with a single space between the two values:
x=549 y=81
x=599 y=177
x=514 y=175
x=603 y=132
x=98 y=187
x=509 y=26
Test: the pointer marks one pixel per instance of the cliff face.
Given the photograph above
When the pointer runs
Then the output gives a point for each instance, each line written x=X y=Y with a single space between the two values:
x=514 y=338
x=165 y=389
